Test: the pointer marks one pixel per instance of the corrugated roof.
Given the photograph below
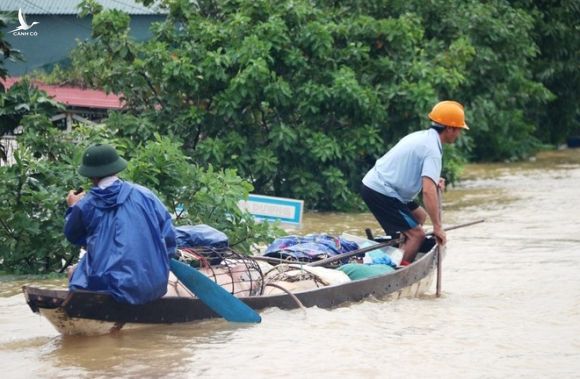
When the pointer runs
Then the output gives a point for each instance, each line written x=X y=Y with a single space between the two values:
x=75 y=97
x=63 y=7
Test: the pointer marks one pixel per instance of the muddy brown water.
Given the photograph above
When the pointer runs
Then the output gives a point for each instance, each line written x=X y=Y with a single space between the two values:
x=510 y=305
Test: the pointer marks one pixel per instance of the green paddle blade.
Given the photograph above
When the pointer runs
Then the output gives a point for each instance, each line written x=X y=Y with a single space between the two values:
x=213 y=295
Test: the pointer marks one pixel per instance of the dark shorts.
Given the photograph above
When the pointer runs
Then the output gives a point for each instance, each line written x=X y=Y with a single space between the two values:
x=393 y=215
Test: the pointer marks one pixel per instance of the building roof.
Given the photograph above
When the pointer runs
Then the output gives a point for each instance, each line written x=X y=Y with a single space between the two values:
x=69 y=7
x=75 y=97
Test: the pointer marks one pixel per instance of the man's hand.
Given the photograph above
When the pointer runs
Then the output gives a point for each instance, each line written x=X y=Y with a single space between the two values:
x=431 y=200
x=73 y=197
x=440 y=235
x=441 y=184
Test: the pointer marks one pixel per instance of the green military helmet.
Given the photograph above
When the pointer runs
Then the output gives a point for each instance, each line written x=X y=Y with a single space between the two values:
x=101 y=160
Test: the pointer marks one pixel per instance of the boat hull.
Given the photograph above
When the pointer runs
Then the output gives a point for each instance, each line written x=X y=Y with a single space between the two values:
x=90 y=313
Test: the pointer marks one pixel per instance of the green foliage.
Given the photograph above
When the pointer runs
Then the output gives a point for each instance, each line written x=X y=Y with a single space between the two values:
x=32 y=195
x=498 y=83
x=87 y=7
x=556 y=34
x=59 y=75
x=196 y=195
x=453 y=162
x=20 y=100
x=8 y=53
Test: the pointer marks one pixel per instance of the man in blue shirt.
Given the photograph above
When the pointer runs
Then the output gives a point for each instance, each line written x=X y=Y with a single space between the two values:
x=128 y=233
x=411 y=166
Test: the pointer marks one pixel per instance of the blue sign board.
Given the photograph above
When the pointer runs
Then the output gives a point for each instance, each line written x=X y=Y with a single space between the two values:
x=274 y=208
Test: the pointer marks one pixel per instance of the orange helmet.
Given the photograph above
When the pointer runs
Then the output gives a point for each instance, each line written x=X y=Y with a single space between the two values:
x=448 y=113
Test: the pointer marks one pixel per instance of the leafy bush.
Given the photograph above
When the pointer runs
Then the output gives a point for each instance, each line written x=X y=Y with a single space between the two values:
x=196 y=195
x=32 y=196
x=555 y=32
x=20 y=100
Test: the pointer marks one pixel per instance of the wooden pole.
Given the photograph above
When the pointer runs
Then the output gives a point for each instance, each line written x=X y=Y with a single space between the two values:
x=439 y=255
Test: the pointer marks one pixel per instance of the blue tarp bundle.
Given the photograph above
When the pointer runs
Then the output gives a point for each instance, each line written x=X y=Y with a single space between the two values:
x=379 y=257
x=200 y=235
x=310 y=247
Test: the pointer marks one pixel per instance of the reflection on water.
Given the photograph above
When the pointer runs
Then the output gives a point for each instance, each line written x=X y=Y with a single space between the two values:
x=12 y=285
x=154 y=350
x=510 y=304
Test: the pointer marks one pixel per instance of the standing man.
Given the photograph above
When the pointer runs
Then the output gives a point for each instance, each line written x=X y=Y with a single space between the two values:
x=126 y=229
x=412 y=165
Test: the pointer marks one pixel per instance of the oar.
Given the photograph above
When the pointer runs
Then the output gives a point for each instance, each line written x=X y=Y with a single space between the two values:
x=213 y=295
x=380 y=245
x=439 y=256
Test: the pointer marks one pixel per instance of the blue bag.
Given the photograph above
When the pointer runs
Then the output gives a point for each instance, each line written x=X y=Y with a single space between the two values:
x=200 y=235
x=310 y=247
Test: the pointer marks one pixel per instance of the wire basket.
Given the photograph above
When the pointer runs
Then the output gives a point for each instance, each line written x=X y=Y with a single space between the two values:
x=236 y=273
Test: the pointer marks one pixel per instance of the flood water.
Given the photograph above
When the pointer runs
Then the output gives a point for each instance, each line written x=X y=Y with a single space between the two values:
x=510 y=305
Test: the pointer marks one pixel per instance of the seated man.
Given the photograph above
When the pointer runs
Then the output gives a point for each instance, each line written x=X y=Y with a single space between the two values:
x=127 y=232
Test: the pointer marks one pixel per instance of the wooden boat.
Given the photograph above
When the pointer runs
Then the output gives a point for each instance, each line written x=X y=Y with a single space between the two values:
x=90 y=313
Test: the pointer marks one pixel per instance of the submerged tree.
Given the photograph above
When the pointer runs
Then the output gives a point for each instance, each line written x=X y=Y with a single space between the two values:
x=557 y=35
x=296 y=97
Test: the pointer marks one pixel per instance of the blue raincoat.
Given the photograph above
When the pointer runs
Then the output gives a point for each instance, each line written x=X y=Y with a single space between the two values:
x=129 y=240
